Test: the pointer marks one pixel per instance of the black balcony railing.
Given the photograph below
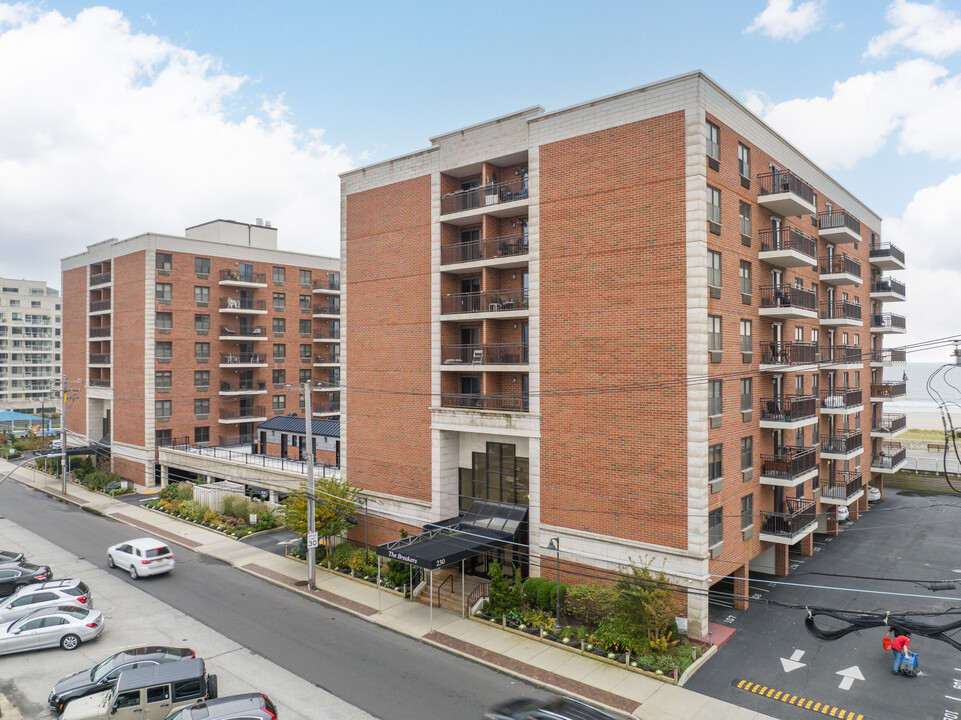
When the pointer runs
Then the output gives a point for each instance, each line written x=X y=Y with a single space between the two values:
x=890 y=423
x=887 y=285
x=889 y=390
x=327 y=358
x=328 y=283
x=843 y=487
x=889 y=320
x=803 y=512
x=247 y=386
x=244 y=331
x=839 y=219
x=789 y=463
x=789 y=239
x=488 y=301
x=327 y=309
x=840 y=310
x=331 y=406
x=846 y=354
x=837 y=264
x=841 y=398
x=485 y=354
x=99 y=279
x=490 y=194
x=484 y=249
x=243 y=358
x=842 y=443
x=784 y=296
x=98 y=382
x=246 y=276
x=327 y=334
x=241 y=413
x=470 y=401
x=789 y=409
x=789 y=353
x=100 y=332
x=784 y=181
x=883 y=250
x=890 y=458
x=99 y=305
x=889 y=355
x=229 y=303
x=99 y=358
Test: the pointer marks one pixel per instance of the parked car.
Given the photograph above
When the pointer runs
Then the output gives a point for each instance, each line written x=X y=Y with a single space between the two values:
x=251 y=706
x=843 y=513
x=150 y=693
x=558 y=708
x=14 y=577
x=46 y=594
x=66 y=626
x=10 y=557
x=103 y=676
x=140 y=557
x=874 y=494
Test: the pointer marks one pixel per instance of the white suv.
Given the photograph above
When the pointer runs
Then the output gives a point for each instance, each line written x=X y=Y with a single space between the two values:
x=46 y=594
x=140 y=557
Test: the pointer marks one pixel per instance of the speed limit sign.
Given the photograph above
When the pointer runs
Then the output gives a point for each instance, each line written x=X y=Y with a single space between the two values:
x=312 y=540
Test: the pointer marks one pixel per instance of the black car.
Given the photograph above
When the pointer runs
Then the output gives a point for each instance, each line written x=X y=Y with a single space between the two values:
x=14 y=577
x=558 y=708
x=103 y=676
x=251 y=706
x=9 y=557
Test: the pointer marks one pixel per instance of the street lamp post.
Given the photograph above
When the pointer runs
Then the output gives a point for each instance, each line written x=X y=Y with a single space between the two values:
x=555 y=544
x=311 y=512
x=63 y=433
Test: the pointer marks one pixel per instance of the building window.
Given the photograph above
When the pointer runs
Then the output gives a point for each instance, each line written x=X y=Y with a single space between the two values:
x=163 y=438
x=280 y=351
x=305 y=303
x=202 y=351
x=165 y=262
x=333 y=281
x=713 y=141
x=713 y=269
x=305 y=326
x=201 y=407
x=202 y=323
x=744 y=275
x=165 y=321
x=162 y=380
x=715 y=527
x=747 y=340
x=305 y=352
x=744 y=216
x=164 y=350
x=744 y=160
x=747 y=394
x=497 y=474
x=280 y=274
x=280 y=404
x=714 y=398
x=714 y=469
x=164 y=292
x=304 y=375
x=714 y=208
x=201 y=379
x=279 y=326
x=747 y=512
x=714 y=337
x=747 y=454
x=280 y=301
x=305 y=280
x=201 y=294
x=162 y=409
x=201 y=435
x=278 y=377
x=333 y=377
x=202 y=267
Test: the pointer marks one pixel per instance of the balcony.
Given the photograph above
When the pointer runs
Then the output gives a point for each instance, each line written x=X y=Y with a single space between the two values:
x=499 y=248
x=842 y=357
x=839 y=226
x=880 y=392
x=324 y=360
x=888 y=323
x=790 y=527
x=789 y=467
x=99 y=358
x=886 y=357
x=100 y=332
x=500 y=199
x=242 y=415
x=500 y=403
x=779 y=357
x=98 y=383
x=454 y=357
x=888 y=290
x=251 y=387
x=328 y=286
x=891 y=459
x=491 y=301
x=784 y=193
x=843 y=490
x=787 y=302
x=100 y=279
x=243 y=333
x=840 y=270
x=842 y=446
x=327 y=335
x=840 y=313
x=98 y=306
x=788 y=248
x=886 y=256
x=243 y=360
x=331 y=407
x=327 y=310
x=789 y=413
x=245 y=279
x=889 y=425
x=243 y=306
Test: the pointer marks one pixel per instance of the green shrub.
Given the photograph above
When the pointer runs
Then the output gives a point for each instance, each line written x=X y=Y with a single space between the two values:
x=342 y=555
x=211 y=517
x=531 y=587
x=502 y=598
x=183 y=490
x=361 y=562
x=237 y=506
x=617 y=635
x=588 y=604
x=540 y=619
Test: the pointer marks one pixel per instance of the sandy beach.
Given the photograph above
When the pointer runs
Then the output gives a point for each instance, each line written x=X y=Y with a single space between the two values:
x=930 y=420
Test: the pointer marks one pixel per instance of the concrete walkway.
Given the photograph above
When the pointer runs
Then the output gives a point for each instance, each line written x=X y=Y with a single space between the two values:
x=553 y=668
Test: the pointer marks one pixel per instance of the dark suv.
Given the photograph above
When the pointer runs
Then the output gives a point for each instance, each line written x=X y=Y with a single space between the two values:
x=252 y=706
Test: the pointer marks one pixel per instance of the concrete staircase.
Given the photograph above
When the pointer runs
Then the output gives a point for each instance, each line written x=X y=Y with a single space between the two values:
x=447 y=590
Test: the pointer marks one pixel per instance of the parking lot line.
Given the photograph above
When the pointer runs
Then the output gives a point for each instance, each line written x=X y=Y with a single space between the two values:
x=821 y=708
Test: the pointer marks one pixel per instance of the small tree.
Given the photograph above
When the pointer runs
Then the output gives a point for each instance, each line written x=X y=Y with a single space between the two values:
x=335 y=500
x=501 y=593
x=645 y=603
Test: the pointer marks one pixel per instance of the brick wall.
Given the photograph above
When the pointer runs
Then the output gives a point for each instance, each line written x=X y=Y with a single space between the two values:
x=128 y=313
x=73 y=352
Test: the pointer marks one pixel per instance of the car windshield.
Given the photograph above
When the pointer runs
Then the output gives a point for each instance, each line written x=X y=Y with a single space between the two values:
x=157 y=552
x=106 y=666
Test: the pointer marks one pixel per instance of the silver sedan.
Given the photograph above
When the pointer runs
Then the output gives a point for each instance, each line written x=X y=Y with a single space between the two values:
x=66 y=626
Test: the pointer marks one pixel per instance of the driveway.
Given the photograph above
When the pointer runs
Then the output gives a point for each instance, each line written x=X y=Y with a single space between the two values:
x=908 y=535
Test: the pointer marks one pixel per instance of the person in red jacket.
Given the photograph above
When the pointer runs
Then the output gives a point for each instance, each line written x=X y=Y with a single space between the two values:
x=899 y=645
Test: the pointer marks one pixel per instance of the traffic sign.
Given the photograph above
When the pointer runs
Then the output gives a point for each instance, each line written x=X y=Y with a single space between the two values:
x=313 y=540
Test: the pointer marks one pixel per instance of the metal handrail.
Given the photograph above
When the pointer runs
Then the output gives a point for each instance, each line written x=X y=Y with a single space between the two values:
x=841 y=263
x=887 y=284
x=842 y=354
x=789 y=353
x=484 y=195
x=889 y=390
x=840 y=310
x=784 y=181
x=789 y=409
x=785 y=295
x=788 y=239
x=243 y=276
x=886 y=249
x=242 y=304
x=890 y=422
x=842 y=442
x=892 y=355
x=838 y=219
x=485 y=249
x=843 y=489
x=892 y=320
x=841 y=397
x=487 y=301
x=471 y=401
x=486 y=353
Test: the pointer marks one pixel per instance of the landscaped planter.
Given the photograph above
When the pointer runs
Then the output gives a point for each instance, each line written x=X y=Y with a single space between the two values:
x=211 y=527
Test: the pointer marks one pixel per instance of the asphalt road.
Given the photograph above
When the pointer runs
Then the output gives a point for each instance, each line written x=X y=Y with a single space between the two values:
x=907 y=535
x=384 y=673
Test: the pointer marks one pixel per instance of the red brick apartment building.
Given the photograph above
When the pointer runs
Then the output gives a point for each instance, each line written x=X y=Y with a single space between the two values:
x=648 y=318
x=199 y=337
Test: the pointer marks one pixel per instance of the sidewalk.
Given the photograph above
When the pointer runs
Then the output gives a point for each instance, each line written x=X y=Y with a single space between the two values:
x=554 y=668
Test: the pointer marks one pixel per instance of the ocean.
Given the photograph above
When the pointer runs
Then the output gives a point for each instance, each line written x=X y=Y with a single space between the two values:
x=917 y=398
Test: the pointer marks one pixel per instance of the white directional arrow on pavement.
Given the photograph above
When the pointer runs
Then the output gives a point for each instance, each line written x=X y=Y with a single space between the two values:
x=792 y=663
x=849 y=676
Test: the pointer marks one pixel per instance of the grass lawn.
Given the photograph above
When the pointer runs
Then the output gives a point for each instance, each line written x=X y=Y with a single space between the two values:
x=931 y=435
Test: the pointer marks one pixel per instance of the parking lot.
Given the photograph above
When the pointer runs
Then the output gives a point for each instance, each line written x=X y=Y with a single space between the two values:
x=134 y=617
x=909 y=536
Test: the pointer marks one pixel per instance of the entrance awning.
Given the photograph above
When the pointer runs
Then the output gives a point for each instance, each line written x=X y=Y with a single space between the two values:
x=486 y=525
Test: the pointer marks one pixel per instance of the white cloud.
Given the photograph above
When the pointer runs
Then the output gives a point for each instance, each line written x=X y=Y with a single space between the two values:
x=781 y=20
x=926 y=29
x=104 y=132
x=910 y=102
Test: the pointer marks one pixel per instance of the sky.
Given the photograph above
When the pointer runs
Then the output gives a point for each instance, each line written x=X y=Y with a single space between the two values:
x=156 y=115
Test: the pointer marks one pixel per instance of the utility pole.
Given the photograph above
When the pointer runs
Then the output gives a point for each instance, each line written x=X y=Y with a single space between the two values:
x=63 y=433
x=311 y=511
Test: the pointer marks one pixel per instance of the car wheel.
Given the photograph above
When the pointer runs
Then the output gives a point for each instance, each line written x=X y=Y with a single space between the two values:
x=133 y=572
x=110 y=562
x=70 y=642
